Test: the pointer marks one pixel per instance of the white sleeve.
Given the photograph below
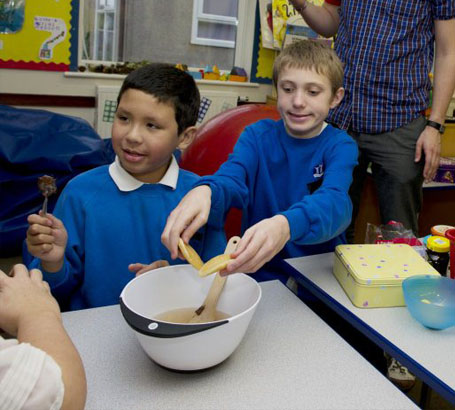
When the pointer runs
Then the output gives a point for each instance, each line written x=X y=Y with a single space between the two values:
x=29 y=378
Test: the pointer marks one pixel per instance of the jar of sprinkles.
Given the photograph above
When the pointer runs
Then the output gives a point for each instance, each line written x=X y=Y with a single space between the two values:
x=438 y=253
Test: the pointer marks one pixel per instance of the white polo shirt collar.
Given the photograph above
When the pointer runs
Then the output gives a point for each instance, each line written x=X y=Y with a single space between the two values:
x=126 y=182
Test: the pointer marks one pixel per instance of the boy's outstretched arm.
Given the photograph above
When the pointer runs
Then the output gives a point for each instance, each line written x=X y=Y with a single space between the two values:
x=46 y=240
x=259 y=244
x=190 y=214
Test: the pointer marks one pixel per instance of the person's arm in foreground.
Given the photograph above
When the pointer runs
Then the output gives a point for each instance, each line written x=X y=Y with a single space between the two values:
x=29 y=312
x=443 y=85
x=322 y=19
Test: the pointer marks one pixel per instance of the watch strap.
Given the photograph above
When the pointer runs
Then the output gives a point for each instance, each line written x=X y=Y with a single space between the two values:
x=436 y=125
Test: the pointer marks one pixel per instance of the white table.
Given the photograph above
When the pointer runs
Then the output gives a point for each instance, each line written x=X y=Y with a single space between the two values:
x=429 y=354
x=289 y=359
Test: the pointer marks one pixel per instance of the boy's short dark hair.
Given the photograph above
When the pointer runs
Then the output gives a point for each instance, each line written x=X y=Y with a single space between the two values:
x=310 y=55
x=167 y=84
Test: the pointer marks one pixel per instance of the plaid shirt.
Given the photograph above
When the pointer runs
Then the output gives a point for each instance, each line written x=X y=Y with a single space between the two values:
x=387 y=49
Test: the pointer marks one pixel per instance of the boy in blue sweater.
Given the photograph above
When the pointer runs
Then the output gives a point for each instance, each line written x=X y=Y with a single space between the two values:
x=113 y=215
x=289 y=177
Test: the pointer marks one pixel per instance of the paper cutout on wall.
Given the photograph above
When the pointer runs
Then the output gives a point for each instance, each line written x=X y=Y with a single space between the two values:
x=110 y=107
x=43 y=43
x=265 y=12
x=282 y=10
x=203 y=108
x=57 y=28
x=11 y=16
x=263 y=58
x=287 y=22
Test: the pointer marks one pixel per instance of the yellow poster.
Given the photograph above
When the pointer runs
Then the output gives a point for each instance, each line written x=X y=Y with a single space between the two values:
x=288 y=25
x=266 y=57
x=283 y=14
x=266 y=19
x=42 y=40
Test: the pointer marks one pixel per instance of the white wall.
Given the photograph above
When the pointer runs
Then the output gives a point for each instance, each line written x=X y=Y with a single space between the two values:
x=84 y=84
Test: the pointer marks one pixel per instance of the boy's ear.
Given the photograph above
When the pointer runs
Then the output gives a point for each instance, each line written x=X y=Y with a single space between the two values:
x=339 y=94
x=186 y=138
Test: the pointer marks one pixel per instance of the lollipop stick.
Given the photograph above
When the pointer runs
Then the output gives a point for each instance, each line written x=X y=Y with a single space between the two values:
x=45 y=206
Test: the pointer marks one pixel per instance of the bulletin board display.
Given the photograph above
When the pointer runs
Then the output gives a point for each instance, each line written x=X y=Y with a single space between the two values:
x=44 y=38
x=263 y=58
x=277 y=24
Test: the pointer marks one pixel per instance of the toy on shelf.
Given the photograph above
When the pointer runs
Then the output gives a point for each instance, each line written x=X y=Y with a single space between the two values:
x=238 y=74
x=212 y=73
x=182 y=67
x=197 y=75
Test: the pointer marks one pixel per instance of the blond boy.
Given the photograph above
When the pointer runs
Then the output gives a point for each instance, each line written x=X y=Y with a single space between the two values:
x=290 y=177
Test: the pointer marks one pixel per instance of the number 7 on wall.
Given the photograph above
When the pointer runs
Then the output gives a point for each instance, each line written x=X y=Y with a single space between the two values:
x=57 y=29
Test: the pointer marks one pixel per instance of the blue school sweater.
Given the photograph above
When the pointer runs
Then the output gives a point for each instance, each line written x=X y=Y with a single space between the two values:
x=109 y=228
x=306 y=180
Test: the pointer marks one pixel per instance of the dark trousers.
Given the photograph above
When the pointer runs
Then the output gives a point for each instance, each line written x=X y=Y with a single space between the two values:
x=397 y=177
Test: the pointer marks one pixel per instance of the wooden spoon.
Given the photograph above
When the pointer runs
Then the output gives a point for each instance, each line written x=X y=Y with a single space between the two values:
x=207 y=311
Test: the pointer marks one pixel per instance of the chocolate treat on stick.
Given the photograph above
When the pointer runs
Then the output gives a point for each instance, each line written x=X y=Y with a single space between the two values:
x=46 y=185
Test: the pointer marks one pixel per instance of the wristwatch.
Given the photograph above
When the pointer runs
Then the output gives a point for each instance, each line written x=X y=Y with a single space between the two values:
x=436 y=125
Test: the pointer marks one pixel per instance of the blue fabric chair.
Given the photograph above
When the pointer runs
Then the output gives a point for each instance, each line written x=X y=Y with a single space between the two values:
x=35 y=143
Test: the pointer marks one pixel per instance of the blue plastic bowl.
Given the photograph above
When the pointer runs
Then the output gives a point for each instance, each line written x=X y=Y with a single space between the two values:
x=431 y=300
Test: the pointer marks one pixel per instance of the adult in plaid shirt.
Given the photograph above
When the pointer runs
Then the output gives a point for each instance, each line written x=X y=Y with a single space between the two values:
x=387 y=48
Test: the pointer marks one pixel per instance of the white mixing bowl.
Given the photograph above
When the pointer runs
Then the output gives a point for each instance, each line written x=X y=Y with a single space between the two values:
x=187 y=347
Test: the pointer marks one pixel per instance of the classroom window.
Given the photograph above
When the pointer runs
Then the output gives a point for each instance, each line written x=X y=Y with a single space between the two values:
x=214 y=23
x=102 y=21
x=162 y=30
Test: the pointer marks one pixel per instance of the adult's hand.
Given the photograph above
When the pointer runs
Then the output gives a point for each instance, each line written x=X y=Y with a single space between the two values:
x=24 y=297
x=324 y=19
x=429 y=143
x=28 y=311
